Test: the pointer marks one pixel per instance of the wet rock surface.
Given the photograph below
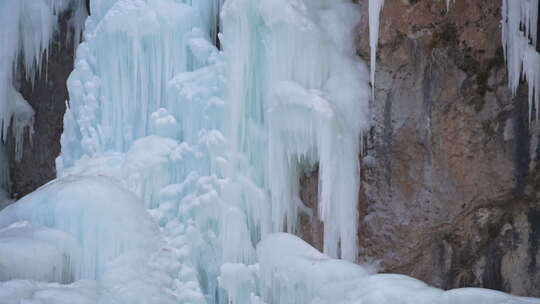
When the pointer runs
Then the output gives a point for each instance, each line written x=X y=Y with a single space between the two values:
x=449 y=191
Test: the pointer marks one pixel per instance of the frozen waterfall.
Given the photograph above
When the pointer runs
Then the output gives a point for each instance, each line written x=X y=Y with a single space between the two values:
x=178 y=180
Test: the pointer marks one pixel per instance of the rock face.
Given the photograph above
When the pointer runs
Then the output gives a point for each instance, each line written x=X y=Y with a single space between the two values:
x=47 y=95
x=450 y=172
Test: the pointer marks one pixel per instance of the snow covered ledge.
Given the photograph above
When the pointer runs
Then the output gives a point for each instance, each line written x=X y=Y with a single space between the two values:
x=291 y=271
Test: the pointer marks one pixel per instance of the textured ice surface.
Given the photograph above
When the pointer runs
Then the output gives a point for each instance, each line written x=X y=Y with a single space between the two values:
x=305 y=114
x=104 y=219
x=37 y=253
x=291 y=271
x=23 y=291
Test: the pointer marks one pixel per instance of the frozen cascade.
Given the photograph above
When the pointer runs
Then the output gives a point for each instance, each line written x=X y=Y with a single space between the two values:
x=308 y=113
x=28 y=27
x=180 y=163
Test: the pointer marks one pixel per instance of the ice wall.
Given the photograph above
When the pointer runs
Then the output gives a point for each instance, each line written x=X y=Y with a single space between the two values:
x=215 y=142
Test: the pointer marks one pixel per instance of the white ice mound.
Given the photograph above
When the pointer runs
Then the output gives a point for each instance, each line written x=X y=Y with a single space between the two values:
x=36 y=253
x=105 y=219
x=291 y=271
x=29 y=292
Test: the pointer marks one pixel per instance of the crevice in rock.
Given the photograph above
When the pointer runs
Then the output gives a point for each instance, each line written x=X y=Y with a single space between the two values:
x=521 y=141
x=533 y=217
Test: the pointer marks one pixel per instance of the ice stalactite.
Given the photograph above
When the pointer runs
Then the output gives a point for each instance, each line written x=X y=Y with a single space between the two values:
x=375 y=8
x=306 y=111
x=28 y=27
x=138 y=59
x=153 y=121
x=519 y=38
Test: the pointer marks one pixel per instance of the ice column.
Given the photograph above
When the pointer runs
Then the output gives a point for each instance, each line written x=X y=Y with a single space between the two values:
x=290 y=81
x=132 y=50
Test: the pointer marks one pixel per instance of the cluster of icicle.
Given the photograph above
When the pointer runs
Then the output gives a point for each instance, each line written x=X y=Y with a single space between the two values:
x=27 y=29
x=181 y=162
x=519 y=37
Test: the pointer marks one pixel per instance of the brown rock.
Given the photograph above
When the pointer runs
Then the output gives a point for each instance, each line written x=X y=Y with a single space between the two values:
x=450 y=191
x=451 y=198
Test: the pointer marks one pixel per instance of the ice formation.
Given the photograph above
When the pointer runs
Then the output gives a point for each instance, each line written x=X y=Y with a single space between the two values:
x=75 y=206
x=519 y=37
x=28 y=27
x=308 y=114
x=291 y=271
x=375 y=8
x=19 y=243
x=181 y=162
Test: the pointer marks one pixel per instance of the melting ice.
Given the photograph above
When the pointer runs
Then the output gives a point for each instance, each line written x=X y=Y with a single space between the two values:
x=180 y=164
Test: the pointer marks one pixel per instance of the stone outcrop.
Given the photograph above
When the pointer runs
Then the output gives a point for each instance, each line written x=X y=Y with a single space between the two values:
x=450 y=174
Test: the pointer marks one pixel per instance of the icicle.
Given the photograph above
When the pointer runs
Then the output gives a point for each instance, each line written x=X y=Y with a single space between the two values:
x=375 y=8
x=27 y=29
x=22 y=120
x=519 y=38
x=238 y=281
x=448 y=2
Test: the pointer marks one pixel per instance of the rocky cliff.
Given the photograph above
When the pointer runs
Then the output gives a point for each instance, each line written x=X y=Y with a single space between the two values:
x=450 y=170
